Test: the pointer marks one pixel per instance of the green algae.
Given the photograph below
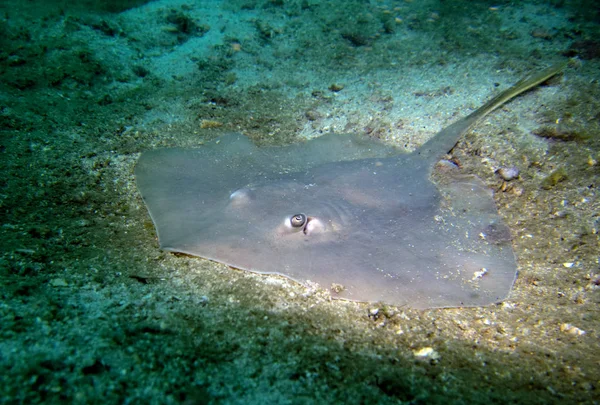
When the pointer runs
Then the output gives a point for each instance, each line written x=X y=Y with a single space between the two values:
x=554 y=178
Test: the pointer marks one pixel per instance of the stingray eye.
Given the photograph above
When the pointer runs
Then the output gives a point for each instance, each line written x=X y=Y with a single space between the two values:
x=298 y=220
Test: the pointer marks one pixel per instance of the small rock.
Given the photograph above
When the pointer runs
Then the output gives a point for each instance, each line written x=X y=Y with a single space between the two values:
x=572 y=330
x=58 y=282
x=312 y=115
x=508 y=173
x=426 y=353
x=336 y=87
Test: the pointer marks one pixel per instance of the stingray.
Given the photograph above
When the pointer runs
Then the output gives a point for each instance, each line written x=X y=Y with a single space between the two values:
x=342 y=212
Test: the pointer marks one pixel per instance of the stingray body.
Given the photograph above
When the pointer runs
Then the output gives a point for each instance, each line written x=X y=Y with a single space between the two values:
x=350 y=214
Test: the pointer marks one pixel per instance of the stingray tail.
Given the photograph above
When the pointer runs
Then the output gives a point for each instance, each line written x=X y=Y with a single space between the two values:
x=445 y=140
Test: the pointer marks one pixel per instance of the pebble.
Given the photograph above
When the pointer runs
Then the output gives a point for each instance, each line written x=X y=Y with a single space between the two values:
x=572 y=330
x=58 y=282
x=426 y=353
x=508 y=173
